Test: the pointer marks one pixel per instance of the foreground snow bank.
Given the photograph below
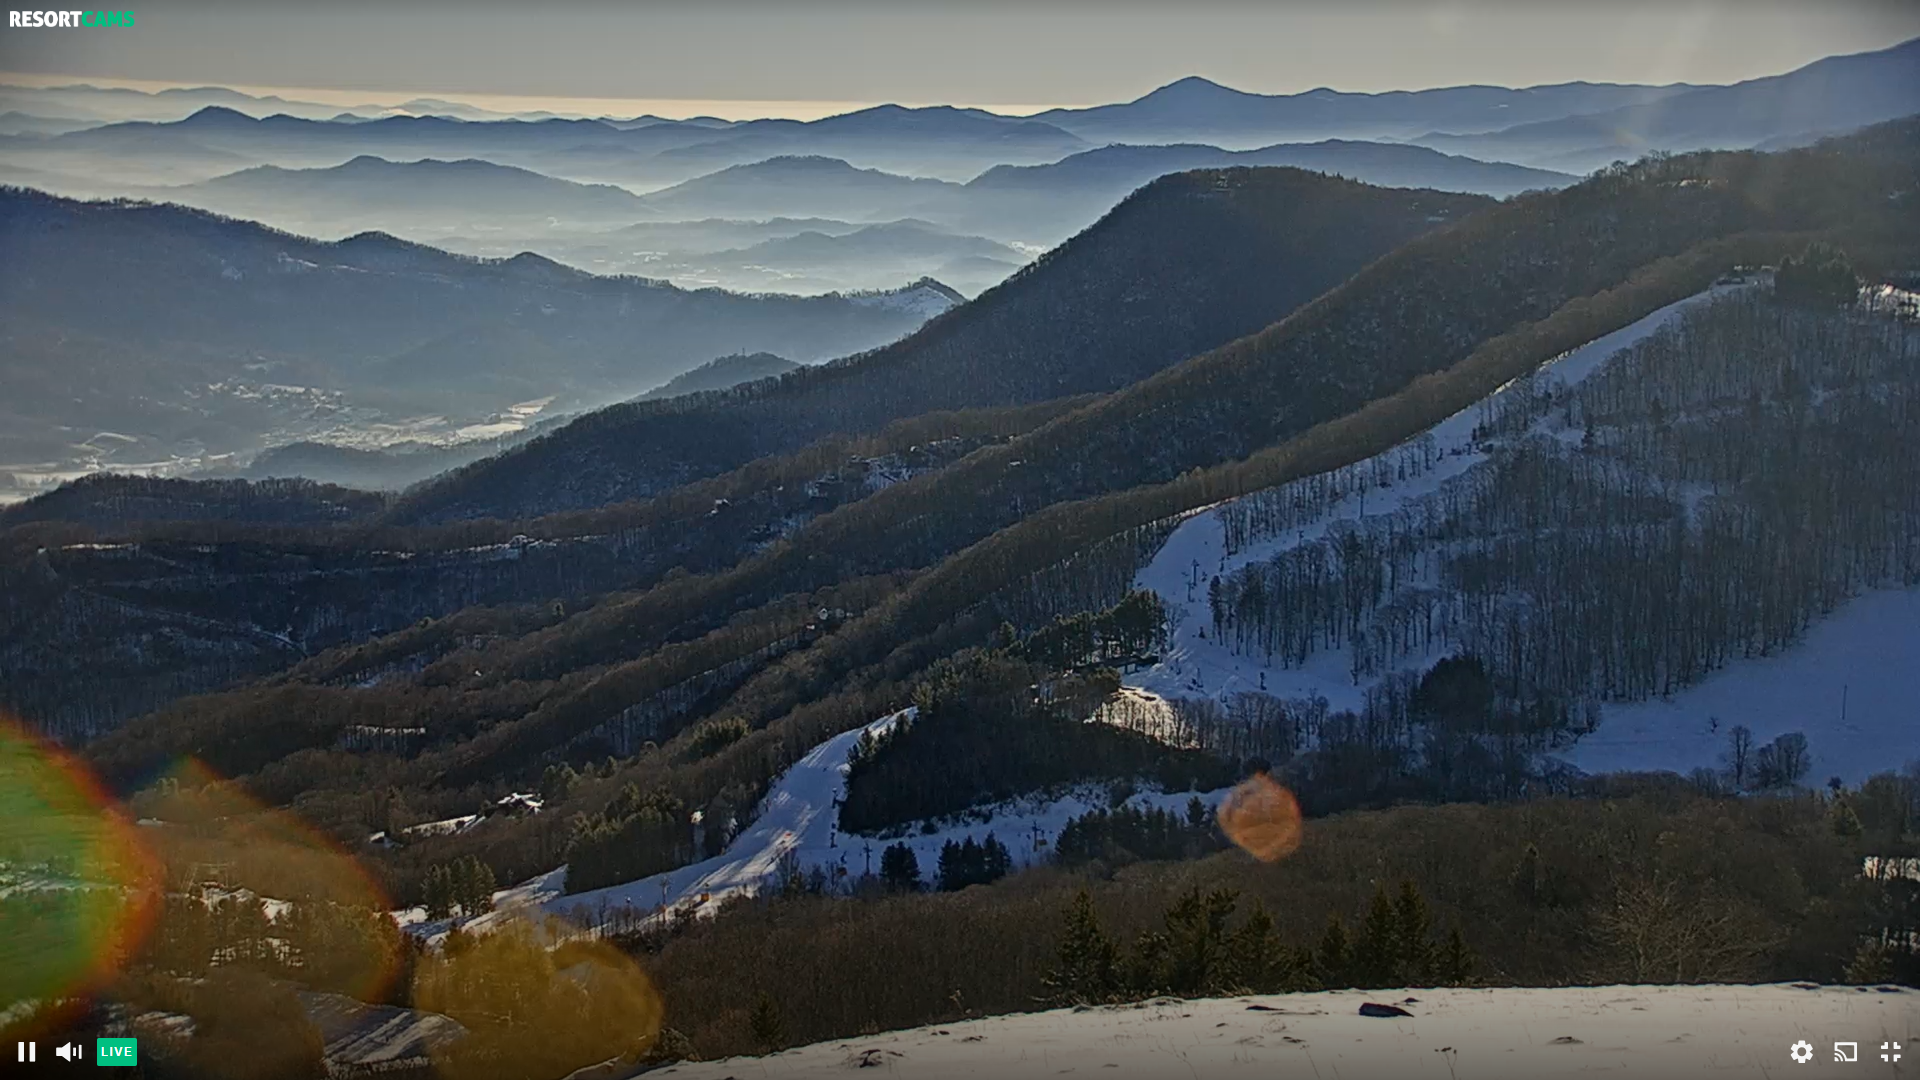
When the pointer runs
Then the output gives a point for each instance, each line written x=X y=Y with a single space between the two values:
x=1644 y=1032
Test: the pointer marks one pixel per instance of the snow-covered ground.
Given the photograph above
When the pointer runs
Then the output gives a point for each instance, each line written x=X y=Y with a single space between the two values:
x=1863 y=659
x=1196 y=666
x=799 y=819
x=1028 y=826
x=1871 y=645
x=1644 y=1032
x=919 y=298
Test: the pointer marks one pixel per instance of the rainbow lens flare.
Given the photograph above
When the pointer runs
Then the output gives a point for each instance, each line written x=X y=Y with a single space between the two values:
x=77 y=884
x=281 y=889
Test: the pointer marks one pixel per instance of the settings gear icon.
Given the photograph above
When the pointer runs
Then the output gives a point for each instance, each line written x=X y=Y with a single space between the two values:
x=1802 y=1051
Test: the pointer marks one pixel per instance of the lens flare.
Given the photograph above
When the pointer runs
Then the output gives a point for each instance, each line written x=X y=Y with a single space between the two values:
x=1263 y=818
x=77 y=885
x=535 y=1010
x=232 y=861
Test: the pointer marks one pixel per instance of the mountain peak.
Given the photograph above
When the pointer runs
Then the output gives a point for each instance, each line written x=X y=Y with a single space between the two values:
x=217 y=114
x=798 y=163
x=1192 y=87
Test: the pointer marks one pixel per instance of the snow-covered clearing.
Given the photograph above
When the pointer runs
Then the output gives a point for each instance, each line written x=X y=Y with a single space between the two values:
x=1028 y=826
x=1646 y=1032
x=922 y=300
x=1863 y=660
x=1871 y=645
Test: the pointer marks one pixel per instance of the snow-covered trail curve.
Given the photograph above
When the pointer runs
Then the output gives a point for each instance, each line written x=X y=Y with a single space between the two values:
x=798 y=817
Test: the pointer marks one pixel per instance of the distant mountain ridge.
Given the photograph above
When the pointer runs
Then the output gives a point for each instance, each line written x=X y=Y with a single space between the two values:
x=807 y=185
x=1188 y=262
x=933 y=141
x=226 y=331
x=1829 y=96
x=1197 y=108
x=721 y=373
x=1047 y=203
x=369 y=187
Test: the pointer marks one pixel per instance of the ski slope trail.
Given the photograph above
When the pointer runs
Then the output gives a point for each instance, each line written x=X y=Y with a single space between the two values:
x=1852 y=685
x=1867 y=650
x=1194 y=666
x=798 y=825
x=798 y=819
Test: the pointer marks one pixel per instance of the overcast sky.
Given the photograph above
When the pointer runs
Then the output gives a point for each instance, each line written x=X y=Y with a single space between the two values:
x=1025 y=55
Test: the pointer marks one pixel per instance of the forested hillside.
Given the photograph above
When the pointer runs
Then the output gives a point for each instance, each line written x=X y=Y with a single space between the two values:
x=1188 y=263
x=192 y=584
x=1463 y=599
x=836 y=623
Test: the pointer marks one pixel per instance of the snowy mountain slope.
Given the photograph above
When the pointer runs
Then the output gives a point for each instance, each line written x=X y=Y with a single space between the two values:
x=1853 y=687
x=1192 y=665
x=1226 y=538
x=1452 y=1034
x=924 y=298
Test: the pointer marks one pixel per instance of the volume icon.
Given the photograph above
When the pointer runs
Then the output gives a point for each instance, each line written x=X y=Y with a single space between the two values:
x=71 y=1051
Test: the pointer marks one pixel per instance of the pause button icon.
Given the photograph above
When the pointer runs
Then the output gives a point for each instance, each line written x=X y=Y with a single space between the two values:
x=27 y=1051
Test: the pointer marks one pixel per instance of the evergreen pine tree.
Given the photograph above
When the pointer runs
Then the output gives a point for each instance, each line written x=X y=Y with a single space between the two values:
x=1453 y=962
x=1086 y=960
x=900 y=868
x=769 y=1029
x=439 y=892
x=1415 y=952
x=1260 y=963
x=1871 y=965
x=950 y=871
x=480 y=886
x=460 y=886
x=1197 y=940
x=996 y=860
x=1334 y=956
x=1377 y=951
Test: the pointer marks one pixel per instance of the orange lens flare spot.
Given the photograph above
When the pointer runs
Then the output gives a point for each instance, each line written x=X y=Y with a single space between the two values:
x=1263 y=818
x=237 y=866
x=534 y=1009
